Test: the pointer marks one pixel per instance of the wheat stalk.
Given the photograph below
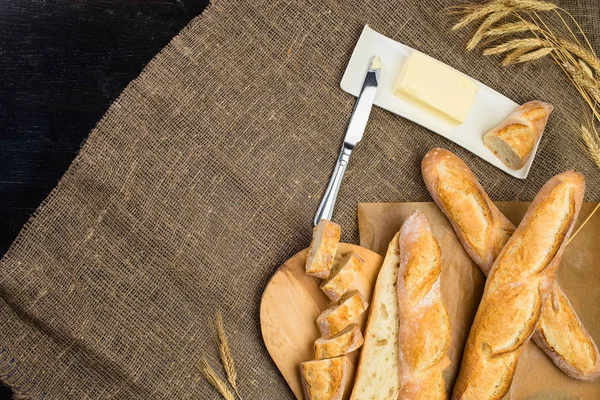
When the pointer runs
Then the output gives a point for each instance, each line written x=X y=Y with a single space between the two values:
x=579 y=63
x=583 y=54
x=512 y=57
x=534 y=55
x=485 y=25
x=533 y=5
x=474 y=13
x=211 y=376
x=510 y=28
x=591 y=140
x=225 y=353
x=581 y=79
x=522 y=44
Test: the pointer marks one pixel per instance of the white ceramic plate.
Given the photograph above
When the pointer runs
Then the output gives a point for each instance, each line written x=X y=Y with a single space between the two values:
x=489 y=109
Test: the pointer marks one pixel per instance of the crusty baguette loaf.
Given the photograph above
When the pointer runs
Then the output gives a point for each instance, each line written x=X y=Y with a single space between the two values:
x=481 y=227
x=324 y=379
x=342 y=276
x=346 y=341
x=377 y=372
x=484 y=230
x=342 y=313
x=517 y=288
x=424 y=323
x=563 y=337
x=325 y=240
x=515 y=138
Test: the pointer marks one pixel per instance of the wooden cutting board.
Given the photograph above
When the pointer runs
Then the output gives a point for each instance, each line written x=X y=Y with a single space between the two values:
x=290 y=305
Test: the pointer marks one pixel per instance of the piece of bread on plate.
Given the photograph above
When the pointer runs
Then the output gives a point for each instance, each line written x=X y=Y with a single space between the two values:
x=342 y=276
x=325 y=240
x=517 y=289
x=515 y=138
x=424 y=323
x=346 y=341
x=324 y=379
x=377 y=372
x=341 y=313
x=483 y=231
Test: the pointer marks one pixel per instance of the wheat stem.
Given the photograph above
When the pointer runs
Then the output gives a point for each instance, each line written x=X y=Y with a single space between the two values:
x=591 y=142
x=584 y=222
x=211 y=376
x=533 y=5
x=526 y=44
x=225 y=353
x=485 y=25
x=534 y=55
x=474 y=13
x=510 y=28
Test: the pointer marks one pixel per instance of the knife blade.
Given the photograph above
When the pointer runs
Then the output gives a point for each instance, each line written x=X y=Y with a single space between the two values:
x=354 y=133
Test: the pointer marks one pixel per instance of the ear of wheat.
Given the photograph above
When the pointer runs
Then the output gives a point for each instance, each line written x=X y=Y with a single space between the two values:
x=225 y=353
x=529 y=30
x=226 y=360
x=211 y=376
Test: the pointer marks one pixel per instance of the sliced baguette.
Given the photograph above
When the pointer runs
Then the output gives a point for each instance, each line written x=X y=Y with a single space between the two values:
x=377 y=375
x=342 y=276
x=319 y=260
x=344 y=342
x=515 y=138
x=341 y=314
x=324 y=379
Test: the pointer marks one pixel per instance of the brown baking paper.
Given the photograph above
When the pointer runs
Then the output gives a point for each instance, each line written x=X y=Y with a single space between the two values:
x=462 y=284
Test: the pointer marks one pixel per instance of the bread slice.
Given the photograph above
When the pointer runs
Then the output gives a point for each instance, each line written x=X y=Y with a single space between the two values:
x=319 y=260
x=377 y=376
x=344 y=342
x=342 y=276
x=515 y=138
x=324 y=379
x=341 y=314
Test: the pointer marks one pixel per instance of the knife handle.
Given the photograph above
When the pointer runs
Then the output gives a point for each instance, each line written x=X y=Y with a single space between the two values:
x=325 y=210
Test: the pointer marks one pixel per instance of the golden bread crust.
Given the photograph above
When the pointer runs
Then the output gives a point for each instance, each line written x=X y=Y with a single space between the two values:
x=424 y=324
x=519 y=133
x=560 y=334
x=517 y=287
x=324 y=379
x=321 y=253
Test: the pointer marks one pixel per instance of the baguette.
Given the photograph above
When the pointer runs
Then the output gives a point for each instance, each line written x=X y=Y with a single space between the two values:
x=324 y=379
x=484 y=230
x=341 y=314
x=514 y=139
x=518 y=286
x=319 y=260
x=346 y=341
x=480 y=226
x=424 y=323
x=342 y=276
x=377 y=372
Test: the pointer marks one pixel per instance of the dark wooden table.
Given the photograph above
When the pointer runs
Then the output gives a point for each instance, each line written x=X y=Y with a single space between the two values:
x=62 y=63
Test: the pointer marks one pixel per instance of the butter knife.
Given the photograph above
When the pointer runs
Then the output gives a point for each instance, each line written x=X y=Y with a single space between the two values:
x=354 y=133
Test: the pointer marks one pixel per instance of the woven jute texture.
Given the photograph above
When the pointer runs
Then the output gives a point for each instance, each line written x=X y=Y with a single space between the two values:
x=204 y=176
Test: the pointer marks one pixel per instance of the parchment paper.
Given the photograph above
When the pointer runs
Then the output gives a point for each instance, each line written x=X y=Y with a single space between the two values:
x=462 y=284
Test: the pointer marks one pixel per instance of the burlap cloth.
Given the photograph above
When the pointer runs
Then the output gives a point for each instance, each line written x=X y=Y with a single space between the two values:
x=204 y=176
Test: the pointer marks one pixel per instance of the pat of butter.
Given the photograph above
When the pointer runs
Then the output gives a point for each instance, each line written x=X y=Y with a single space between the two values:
x=433 y=84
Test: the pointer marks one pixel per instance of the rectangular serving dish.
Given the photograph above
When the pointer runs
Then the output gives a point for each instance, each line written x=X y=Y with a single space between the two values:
x=489 y=109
